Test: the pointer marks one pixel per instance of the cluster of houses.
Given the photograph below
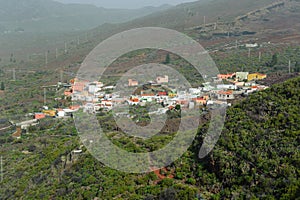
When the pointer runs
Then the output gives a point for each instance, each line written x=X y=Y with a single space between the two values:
x=95 y=96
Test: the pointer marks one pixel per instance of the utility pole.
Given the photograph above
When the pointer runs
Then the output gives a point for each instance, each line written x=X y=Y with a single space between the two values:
x=1 y=169
x=14 y=74
x=289 y=66
x=66 y=51
x=45 y=96
x=46 y=58
x=61 y=76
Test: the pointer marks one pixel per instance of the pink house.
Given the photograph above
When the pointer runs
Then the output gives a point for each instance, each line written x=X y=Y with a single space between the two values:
x=132 y=83
x=162 y=79
x=78 y=86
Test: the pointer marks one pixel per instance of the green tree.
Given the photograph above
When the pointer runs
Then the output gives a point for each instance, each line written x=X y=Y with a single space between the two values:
x=168 y=59
x=274 y=60
x=2 y=86
x=297 y=67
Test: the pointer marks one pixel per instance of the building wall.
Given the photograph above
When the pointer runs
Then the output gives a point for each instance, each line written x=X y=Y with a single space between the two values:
x=164 y=79
x=256 y=76
x=242 y=75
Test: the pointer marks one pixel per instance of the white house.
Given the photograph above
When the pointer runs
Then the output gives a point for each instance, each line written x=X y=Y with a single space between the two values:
x=195 y=91
x=242 y=76
x=61 y=113
x=225 y=95
x=227 y=87
x=251 y=45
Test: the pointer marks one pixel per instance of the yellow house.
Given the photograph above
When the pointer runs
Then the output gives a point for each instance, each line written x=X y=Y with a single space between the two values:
x=50 y=113
x=256 y=76
x=172 y=95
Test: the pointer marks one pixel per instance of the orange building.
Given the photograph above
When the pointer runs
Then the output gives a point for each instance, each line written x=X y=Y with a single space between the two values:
x=200 y=101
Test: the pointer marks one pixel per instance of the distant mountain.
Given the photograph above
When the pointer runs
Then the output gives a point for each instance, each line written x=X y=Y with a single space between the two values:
x=52 y=16
x=192 y=14
x=188 y=15
x=130 y=4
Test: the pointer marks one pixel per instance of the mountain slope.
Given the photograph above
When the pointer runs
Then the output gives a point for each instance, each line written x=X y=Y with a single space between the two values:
x=47 y=15
x=192 y=14
x=257 y=157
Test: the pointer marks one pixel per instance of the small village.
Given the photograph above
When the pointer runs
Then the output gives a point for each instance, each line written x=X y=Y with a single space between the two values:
x=95 y=97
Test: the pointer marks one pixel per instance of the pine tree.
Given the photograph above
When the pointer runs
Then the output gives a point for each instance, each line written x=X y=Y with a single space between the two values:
x=297 y=67
x=2 y=87
x=168 y=59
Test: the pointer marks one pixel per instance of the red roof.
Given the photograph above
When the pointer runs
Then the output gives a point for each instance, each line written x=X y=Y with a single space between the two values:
x=39 y=116
x=74 y=107
x=162 y=93
x=229 y=92
x=134 y=100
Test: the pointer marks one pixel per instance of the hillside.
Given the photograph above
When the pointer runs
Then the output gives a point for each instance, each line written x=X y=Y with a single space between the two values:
x=192 y=14
x=256 y=157
x=50 y=16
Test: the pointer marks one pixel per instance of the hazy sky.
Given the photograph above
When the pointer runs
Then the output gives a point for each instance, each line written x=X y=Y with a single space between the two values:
x=126 y=3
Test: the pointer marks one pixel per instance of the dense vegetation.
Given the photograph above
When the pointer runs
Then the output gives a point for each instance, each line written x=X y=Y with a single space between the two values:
x=256 y=157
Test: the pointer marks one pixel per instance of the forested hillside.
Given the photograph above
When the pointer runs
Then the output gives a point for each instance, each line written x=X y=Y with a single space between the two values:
x=257 y=157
